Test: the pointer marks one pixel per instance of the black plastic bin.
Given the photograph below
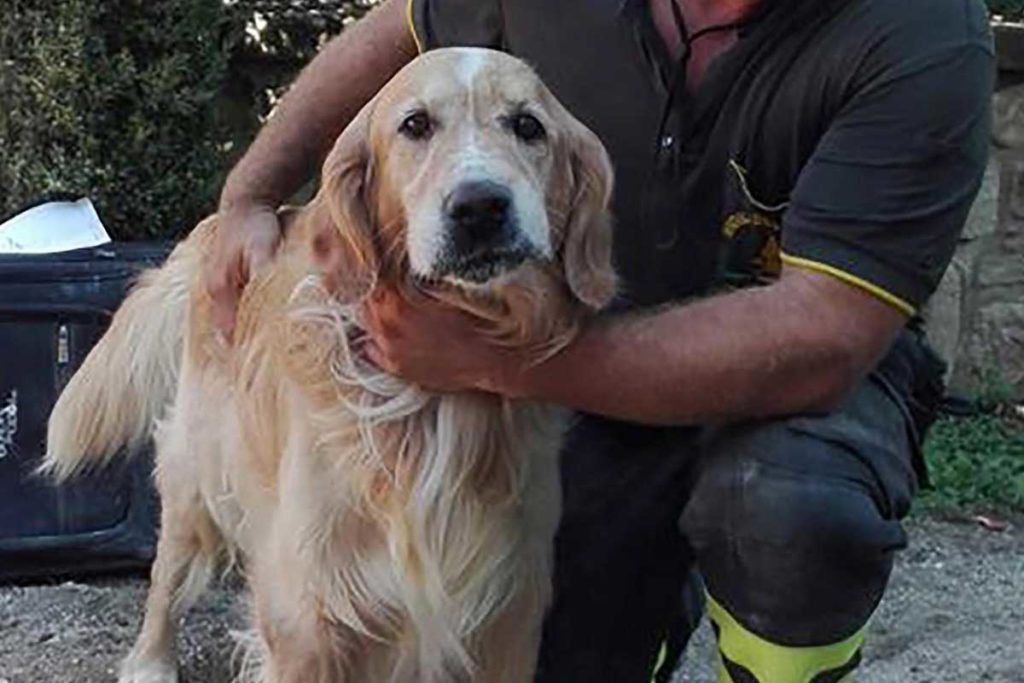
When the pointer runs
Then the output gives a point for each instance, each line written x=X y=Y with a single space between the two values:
x=53 y=308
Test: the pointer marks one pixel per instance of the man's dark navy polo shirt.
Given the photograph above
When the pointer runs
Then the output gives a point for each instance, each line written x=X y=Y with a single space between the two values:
x=844 y=136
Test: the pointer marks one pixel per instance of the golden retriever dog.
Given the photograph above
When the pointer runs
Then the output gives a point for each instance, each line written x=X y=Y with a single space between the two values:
x=386 y=533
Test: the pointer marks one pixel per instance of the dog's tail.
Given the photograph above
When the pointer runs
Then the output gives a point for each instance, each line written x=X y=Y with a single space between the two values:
x=125 y=384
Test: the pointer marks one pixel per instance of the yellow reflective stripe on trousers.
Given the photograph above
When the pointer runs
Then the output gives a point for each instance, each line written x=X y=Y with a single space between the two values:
x=771 y=663
x=723 y=674
x=662 y=654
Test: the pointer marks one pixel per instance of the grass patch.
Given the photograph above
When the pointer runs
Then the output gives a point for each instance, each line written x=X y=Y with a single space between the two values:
x=975 y=462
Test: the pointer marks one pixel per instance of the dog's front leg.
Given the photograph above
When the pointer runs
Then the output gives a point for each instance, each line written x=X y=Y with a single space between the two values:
x=185 y=561
x=296 y=640
x=301 y=647
x=187 y=555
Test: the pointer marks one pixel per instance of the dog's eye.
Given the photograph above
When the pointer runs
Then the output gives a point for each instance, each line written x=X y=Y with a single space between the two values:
x=526 y=127
x=416 y=126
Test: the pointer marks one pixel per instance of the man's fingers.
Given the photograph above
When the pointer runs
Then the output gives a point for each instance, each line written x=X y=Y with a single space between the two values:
x=263 y=235
x=257 y=261
x=375 y=354
x=263 y=245
x=368 y=317
x=385 y=298
x=245 y=243
x=225 y=290
x=383 y=310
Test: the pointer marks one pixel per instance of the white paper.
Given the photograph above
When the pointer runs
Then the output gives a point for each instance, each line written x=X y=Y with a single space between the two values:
x=53 y=227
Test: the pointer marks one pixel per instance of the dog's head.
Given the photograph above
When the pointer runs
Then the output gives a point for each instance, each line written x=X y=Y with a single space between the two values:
x=465 y=175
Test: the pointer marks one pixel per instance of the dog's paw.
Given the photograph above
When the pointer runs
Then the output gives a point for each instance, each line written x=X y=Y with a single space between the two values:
x=147 y=671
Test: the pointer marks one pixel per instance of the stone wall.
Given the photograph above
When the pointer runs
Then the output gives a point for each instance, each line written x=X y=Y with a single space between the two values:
x=976 y=318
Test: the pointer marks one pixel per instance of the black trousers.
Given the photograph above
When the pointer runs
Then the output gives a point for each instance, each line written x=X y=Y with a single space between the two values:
x=793 y=525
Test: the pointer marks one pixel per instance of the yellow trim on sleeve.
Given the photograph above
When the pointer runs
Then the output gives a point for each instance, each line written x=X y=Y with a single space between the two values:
x=412 y=26
x=849 y=278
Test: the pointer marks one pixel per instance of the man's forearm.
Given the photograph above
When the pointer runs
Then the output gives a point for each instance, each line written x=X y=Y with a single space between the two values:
x=771 y=351
x=317 y=107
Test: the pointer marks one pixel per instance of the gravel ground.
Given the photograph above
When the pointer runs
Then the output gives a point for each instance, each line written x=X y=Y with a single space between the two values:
x=954 y=612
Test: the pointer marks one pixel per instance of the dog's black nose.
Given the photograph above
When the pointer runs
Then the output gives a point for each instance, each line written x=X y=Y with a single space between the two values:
x=478 y=212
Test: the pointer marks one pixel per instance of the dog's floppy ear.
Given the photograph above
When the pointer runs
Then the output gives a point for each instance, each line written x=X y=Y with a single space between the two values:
x=343 y=239
x=587 y=249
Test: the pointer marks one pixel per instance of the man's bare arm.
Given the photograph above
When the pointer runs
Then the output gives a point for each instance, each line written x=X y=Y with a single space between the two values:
x=798 y=345
x=286 y=153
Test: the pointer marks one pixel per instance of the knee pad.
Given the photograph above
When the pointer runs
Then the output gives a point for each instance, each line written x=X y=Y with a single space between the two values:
x=790 y=539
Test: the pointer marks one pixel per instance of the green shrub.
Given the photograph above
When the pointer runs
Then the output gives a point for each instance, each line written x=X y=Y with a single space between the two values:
x=280 y=37
x=976 y=462
x=143 y=105
x=116 y=101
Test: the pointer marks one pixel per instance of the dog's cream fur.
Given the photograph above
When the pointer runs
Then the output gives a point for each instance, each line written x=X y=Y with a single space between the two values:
x=387 y=534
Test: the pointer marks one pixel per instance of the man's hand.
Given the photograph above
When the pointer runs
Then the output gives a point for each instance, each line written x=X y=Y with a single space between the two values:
x=433 y=345
x=247 y=236
x=296 y=138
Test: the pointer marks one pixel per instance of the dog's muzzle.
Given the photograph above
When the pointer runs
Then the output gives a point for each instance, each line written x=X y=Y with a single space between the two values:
x=483 y=240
